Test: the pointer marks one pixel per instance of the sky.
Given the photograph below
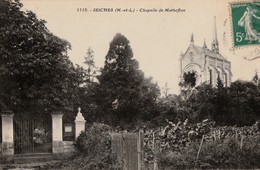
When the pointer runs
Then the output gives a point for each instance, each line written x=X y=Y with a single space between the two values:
x=157 y=38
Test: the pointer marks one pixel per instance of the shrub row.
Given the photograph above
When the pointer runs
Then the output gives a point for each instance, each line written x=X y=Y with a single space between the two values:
x=177 y=146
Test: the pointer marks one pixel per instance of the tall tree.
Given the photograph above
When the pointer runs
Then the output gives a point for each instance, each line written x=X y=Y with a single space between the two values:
x=35 y=71
x=126 y=95
x=220 y=84
x=188 y=84
x=89 y=90
x=256 y=79
x=190 y=78
x=202 y=102
x=244 y=107
x=91 y=68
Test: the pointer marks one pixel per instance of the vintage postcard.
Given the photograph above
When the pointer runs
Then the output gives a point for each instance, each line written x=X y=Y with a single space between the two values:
x=68 y=66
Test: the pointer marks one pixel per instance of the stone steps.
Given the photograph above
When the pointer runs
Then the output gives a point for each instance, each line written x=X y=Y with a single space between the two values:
x=37 y=160
x=27 y=166
x=31 y=158
x=31 y=161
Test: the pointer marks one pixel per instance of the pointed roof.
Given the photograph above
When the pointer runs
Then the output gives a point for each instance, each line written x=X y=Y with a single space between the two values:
x=215 y=45
x=207 y=52
x=181 y=54
x=215 y=31
x=214 y=52
x=210 y=53
x=204 y=44
x=192 y=38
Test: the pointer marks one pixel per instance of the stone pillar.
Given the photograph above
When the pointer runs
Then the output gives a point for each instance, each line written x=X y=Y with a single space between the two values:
x=79 y=124
x=7 y=133
x=57 y=143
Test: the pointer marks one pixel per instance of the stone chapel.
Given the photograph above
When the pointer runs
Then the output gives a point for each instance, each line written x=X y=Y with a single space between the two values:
x=208 y=64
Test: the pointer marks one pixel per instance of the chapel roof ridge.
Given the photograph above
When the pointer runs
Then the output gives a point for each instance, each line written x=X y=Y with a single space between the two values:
x=210 y=53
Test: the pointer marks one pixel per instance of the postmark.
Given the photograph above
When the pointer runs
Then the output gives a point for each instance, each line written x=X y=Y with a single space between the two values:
x=245 y=20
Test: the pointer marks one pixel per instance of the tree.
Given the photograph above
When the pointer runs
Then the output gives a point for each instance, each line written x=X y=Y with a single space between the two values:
x=174 y=109
x=220 y=84
x=221 y=102
x=89 y=89
x=188 y=84
x=89 y=61
x=190 y=78
x=123 y=84
x=35 y=71
x=244 y=107
x=202 y=102
x=256 y=79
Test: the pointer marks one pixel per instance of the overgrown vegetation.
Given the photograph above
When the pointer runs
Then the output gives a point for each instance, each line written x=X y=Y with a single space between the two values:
x=202 y=145
x=237 y=105
x=183 y=145
x=94 y=150
x=224 y=154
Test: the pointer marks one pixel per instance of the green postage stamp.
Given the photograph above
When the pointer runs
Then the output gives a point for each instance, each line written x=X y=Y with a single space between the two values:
x=245 y=18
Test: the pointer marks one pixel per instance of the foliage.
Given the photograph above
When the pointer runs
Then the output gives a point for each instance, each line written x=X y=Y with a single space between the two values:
x=220 y=84
x=89 y=90
x=238 y=104
x=91 y=70
x=244 y=107
x=123 y=84
x=190 y=78
x=256 y=79
x=96 y=139
x=202 y=103
x=224 y=154
x=173 y=137
x=40 y=136
x=94 y=146
x=188 y=83
x=166 y=106
x=35 y=71
x=176 y=146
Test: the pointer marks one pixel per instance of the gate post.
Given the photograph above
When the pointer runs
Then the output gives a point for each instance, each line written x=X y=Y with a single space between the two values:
x=79 y=123
x=7 y=133
x=57 y=143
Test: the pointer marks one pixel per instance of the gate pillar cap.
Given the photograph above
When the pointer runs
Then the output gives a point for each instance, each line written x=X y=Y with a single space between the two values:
x=79 y=117
x=7 y=112
x=57 y=113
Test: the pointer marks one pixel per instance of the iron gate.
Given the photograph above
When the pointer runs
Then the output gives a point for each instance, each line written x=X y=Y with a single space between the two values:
x=32 y=133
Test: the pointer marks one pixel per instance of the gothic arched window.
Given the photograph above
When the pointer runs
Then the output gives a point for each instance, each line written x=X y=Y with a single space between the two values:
x=225 y=79
x=210 y=76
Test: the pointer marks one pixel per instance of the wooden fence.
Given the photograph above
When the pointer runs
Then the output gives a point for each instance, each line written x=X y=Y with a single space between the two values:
x=129 y=149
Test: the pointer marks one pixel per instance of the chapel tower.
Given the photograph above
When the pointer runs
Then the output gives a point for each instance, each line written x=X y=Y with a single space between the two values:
x=208 y=64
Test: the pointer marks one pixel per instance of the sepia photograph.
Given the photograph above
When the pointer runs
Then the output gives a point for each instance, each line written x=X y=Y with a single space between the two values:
x=129 y=85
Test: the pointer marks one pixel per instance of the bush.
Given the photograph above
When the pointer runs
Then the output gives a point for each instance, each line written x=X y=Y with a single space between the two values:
x=94 y=146
x=95 y=140
x=175 y=146
x=224 y=154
